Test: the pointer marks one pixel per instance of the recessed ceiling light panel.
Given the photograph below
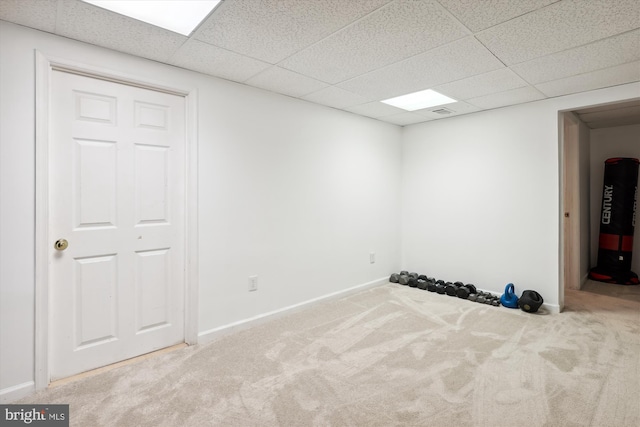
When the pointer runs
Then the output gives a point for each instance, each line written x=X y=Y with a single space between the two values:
x=179 y=16
x=419 y=100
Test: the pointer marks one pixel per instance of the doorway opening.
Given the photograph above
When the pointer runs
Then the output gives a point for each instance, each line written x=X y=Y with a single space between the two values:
x=589 y=136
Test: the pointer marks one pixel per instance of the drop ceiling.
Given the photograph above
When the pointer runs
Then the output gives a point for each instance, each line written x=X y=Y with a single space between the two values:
x=351 y=54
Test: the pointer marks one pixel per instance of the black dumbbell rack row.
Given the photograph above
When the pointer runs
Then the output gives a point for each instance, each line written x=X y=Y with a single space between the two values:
x=454 y=289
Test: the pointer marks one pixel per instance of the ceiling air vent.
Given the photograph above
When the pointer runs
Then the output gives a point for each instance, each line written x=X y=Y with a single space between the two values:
x=442 y=111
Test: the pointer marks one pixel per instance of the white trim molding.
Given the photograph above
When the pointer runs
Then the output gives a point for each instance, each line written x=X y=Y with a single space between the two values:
x=45 y=65
x=11 y=394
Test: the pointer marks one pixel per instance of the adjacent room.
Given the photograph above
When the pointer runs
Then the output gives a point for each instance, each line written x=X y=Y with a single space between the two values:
x=200 y=211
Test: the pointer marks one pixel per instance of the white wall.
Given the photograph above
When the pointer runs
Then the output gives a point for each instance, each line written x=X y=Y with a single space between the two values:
x=481 y=195
x=621 y=141
x=296 y=193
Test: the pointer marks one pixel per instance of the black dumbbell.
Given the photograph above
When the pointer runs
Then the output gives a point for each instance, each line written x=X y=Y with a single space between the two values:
x=472 y=297
x=422 y=284
x=451 y=288
x=414 y=275
x=465 y=290
x=404 y=273
x=431 y=285
x=395 y=278
x=440 y=288
x=413 y=282
x=423 y=277
x=403 y=280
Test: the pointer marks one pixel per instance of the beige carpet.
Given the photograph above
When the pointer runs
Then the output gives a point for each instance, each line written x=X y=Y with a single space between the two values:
x=388 y=356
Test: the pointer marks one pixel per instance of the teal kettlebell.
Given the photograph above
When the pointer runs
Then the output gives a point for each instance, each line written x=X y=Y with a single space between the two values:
x=509 y=298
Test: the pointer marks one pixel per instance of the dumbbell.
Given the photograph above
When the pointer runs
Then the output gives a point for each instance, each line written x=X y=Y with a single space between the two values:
x=484 y=297
x=423 y=277
x=450 y=289
x=465 y=290
x=440 y=287
x=395 y=278
x=422 y=284
x=431 y=285
x=414 y=275
x=413 y=281
x=403 y=280
x=493 y=300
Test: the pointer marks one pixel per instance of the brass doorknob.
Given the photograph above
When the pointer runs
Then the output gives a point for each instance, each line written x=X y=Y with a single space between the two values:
x=61 y=244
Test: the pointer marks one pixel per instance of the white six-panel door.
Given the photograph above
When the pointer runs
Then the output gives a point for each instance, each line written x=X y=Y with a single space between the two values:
x=117 y=191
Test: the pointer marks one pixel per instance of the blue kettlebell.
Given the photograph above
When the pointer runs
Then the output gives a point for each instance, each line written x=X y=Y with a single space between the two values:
x=509 y=298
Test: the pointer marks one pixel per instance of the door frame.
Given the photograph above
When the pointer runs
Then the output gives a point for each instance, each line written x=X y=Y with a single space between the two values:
x=45 y=65
x=570 y=215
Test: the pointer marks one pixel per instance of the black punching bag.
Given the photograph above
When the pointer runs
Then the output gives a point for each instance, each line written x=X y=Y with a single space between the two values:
x=617 y=222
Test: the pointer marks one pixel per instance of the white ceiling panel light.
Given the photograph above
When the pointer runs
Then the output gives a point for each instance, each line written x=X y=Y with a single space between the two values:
x=419 y=100
x=179 y=16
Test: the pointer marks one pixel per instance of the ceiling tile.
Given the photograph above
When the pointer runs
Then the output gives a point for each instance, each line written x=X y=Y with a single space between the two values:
x=601 y=54
x=335 y=97
x=457 y=60
x=38 y=14
x=478 y=15
x=272 y=30
x=278 y=79
x=456 y=108
x=394 y=32
x=613 y=76
x=482 y=84
x=404 y=119
x=560 y=26
x=91 y=24
x=509 y=97
x=375 y=109
x=216 y=61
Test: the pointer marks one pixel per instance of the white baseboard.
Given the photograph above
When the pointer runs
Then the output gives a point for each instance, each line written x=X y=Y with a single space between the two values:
x=551 y=308
x=215 y=333
x=11 y=394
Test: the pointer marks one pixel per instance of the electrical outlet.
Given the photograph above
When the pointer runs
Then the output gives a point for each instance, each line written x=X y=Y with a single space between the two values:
x=372 y=257
x=253 y=283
